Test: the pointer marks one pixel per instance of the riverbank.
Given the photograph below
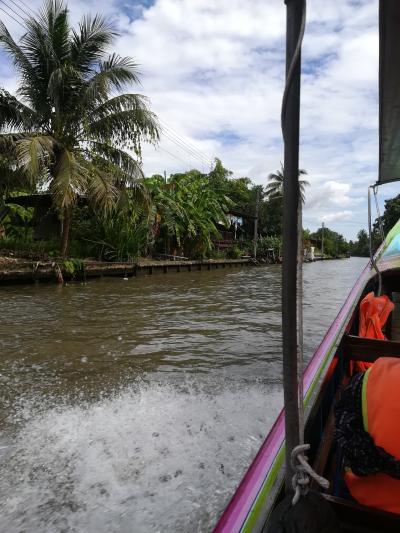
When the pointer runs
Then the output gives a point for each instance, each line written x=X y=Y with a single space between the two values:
x=28 y=270
x=16 y=269
x=328 y=258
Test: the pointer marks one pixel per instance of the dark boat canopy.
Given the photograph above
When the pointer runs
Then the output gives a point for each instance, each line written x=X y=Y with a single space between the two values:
x=389 y=91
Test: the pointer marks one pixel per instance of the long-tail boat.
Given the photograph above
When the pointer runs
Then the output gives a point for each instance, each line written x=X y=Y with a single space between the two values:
x=262 y=487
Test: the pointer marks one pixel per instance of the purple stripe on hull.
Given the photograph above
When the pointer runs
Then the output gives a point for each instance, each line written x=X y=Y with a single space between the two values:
x=240 y=505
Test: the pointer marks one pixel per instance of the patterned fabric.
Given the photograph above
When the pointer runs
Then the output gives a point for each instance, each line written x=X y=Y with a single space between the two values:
x=391 y=246
x=360 y=452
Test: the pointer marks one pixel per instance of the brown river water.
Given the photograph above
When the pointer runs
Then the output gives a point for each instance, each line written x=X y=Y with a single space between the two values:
x=136 y=406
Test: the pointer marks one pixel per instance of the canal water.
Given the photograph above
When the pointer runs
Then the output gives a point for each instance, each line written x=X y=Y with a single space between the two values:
x=136 y=406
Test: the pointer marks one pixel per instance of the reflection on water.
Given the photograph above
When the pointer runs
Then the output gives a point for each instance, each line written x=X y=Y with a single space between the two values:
x=137 y=405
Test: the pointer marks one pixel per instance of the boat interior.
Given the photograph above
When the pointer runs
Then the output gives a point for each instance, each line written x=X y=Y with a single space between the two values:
x=319 y=432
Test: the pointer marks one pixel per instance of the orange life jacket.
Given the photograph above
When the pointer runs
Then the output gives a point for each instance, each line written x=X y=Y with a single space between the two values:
x=381 y=417
x=374 y=312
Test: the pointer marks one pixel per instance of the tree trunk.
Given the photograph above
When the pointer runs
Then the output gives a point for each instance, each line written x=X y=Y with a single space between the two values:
x=66 y=222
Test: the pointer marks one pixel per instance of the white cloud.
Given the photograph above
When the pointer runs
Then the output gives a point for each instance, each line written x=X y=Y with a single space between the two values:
x=340 y=215
x=211 y=67
x=329 y=194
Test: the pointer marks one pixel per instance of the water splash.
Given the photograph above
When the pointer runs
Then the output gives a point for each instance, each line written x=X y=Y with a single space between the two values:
x=150 y=458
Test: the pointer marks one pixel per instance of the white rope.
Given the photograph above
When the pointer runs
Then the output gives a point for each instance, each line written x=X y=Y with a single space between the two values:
x=378 y=211
x=303 y=473
x=371 y=255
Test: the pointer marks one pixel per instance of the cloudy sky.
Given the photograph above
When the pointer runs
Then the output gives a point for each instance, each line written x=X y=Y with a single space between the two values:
x=213 y=70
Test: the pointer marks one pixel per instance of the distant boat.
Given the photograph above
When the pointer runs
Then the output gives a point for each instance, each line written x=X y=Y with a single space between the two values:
x=262 y=487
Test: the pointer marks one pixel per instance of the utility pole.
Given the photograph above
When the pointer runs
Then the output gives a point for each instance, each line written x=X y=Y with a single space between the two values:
x=256 y=224
x=322 y=239
x=166 y=237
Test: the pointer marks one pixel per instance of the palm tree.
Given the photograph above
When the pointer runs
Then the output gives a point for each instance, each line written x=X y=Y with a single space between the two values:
x=69 y=126
x=275 y=185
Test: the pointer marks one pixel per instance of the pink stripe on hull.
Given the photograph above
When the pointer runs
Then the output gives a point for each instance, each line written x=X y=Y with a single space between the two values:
x=238 y=508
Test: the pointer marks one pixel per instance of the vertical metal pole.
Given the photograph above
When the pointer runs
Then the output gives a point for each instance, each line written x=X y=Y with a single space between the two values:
x=256 y=224
x=322 y=245
x=291 y=198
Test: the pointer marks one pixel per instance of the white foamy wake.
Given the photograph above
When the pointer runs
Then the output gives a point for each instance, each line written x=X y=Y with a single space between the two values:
x=155 y=458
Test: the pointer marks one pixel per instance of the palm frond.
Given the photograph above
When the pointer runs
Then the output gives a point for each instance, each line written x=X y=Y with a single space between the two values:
x=120 y=103
x=34 y=153
x=126 y=127
x=128 y=167
x=17 y=55
x=274 y=188
x=63 y=91
x=90 y=42
x=16 y=115
x=120 y=180
x=52 y=22
x=113 y=74
x=12 y=176
x=120 y=71
x=101 y=188
x=46 y=45
x=29 y=81
x=48 y=35
x=70 y=179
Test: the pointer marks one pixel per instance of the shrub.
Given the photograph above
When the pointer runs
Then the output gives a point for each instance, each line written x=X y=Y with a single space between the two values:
x=267 y=243
x=73 y=266
x=30 y=249
x=17 y=224
x=234 y=253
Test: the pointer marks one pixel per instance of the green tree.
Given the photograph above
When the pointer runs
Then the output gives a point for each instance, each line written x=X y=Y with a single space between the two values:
x=168 y=213
x=188 y=209
x=270 y=216
x=275 y=186
x=334 y=243
x=69 y=126
x=240 y=191
x=390 y=216
x=361 y=246
x=219 y=177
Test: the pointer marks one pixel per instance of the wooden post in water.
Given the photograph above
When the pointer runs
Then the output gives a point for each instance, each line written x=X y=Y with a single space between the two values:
x=291 y=199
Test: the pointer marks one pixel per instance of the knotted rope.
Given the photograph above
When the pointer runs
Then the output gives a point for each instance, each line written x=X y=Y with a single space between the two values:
x=303 y=473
